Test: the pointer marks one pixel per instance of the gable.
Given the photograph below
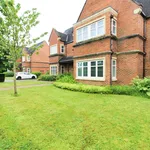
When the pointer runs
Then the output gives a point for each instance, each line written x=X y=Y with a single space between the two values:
x=53 y=37
x=93 y=6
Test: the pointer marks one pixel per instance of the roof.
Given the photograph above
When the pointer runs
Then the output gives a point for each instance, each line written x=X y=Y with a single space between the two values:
x=67 y=36
x=31 y=51
x=146 y=6
x=66 y=60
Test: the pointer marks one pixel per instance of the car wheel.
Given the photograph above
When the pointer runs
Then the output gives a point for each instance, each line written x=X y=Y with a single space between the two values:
x=33 y=77
x=19 y=78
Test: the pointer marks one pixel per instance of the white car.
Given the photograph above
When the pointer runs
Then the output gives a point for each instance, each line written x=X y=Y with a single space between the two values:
x=25 y=75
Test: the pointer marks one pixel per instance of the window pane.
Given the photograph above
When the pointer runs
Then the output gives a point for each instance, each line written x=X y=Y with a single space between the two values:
x=85 y=64
x=114 y=62
x=85 y=71
x=85 y=33
x=100 y=71
x=100 y=27
x=93 y=63
x=53 y=49
x=100 y=23
x=93 y=71
x=100 y=63
x=79 y=32
x=114 y=71
x=93 y=29
x=80 y=64
x=80 y=72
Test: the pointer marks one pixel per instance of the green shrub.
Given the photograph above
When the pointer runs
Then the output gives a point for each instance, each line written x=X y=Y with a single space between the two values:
x=47 y=78
x=37 y=74
x=83 y=88
x=9 y=74
x=142 y=85
x=66 y=78
x=119 y=90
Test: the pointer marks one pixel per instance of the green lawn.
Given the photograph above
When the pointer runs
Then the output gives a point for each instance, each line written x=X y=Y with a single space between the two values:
x=54 y=119
x=21 y=83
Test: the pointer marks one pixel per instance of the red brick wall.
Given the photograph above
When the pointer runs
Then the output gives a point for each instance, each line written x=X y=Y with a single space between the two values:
x=148 y=48
x=128 y=22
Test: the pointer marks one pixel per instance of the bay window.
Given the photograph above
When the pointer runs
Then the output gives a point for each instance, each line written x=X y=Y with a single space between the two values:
x=91 y=70
x=53 y=70
x=92 y=30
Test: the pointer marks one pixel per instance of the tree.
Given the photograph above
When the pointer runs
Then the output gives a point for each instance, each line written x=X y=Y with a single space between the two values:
x=15 y=32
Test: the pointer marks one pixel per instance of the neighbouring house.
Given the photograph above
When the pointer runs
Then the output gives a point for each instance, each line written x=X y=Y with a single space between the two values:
x=109 y=44
x=36 y=61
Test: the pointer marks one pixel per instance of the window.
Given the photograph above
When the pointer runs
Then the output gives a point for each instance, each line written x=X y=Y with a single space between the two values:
x=28 y=58
x=91 y=70
x=53 y=70
x=53 y=50
x=23 y=58
x=62 y=48
x=114 y=69
x=91 y=31
x=28 y=70
x=114 y=27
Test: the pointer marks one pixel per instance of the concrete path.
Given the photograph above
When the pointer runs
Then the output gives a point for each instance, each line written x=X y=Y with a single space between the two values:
x=23 y=87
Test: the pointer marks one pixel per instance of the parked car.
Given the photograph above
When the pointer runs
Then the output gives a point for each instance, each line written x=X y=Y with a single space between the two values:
x=25 y=75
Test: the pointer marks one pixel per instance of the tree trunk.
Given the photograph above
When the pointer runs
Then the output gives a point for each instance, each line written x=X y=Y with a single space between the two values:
x=15 y=85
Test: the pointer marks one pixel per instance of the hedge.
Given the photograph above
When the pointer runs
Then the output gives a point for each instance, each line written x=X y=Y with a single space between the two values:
x=37 y=73
x=119 y=90
x=47 y=78
x=9 y=74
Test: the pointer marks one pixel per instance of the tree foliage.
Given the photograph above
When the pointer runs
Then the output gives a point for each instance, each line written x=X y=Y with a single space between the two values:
x=15 y=32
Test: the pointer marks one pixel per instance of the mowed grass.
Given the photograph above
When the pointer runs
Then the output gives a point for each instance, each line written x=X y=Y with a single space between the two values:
x=49 y=118
x=9 y=84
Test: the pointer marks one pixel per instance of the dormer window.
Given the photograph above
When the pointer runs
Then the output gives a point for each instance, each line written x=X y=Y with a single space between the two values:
x=62 y=48
x=114 y=27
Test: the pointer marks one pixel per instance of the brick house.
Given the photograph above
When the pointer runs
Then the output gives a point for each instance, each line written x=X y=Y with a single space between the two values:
x=110 y=43
x=36 y=61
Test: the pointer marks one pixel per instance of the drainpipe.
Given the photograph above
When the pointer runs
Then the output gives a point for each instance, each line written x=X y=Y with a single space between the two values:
x=144 y=45
x=111 y=43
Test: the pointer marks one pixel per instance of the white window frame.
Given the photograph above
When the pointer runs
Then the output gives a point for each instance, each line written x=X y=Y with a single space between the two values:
x=114 y=26
x=89 y=30
x=51 y=70
x=24 y=69
x=114 y=78
x=61 y=48
x=28 y=58
x=89 y=70
x=51 y=49
x=23 y=58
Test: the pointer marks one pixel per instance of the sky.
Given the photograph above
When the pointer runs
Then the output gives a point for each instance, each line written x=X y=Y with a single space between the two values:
x=58 y=14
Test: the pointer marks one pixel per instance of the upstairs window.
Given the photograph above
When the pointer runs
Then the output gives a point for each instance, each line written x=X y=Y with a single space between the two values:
x=23 y=59
x=114 y=27
x=92 y=30
x=62 y=48
x=53 y=50
x=28 y=58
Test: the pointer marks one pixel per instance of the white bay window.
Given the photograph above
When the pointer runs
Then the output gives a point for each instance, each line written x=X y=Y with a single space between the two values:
x=91 y=70
x=92 y=30
x=114 y=27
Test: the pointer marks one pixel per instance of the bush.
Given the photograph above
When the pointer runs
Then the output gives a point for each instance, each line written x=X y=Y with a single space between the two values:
x=142 y=85
x=119 y=90
x=66 y=78
x=47 y=78
x=37 y=74
x=83 y=88
x=9 y=74
x=2 y=77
